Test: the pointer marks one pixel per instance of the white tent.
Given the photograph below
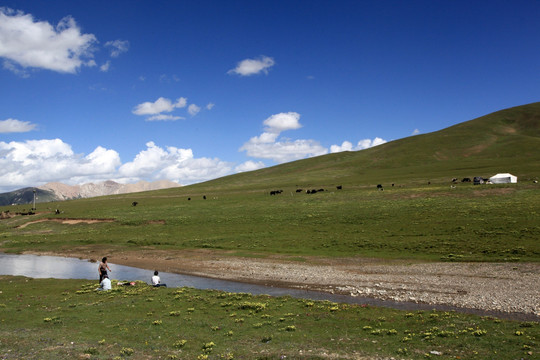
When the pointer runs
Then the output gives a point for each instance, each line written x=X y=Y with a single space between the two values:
x=504 y=178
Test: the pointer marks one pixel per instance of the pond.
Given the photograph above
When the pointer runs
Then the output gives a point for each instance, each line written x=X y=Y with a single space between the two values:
x=41 y=266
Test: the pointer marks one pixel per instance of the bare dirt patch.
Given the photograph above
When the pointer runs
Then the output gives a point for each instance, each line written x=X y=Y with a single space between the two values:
x=66 y=221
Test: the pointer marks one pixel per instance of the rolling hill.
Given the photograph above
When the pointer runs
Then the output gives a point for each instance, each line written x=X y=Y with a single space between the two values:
x=504 y=141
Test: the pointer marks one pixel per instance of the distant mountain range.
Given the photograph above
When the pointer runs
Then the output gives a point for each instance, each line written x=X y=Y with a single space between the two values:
x=58 y=192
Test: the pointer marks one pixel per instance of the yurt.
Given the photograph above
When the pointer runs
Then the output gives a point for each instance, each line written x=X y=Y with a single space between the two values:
x=504 y=178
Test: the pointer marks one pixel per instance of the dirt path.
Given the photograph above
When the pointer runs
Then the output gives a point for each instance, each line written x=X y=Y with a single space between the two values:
x=504 y=287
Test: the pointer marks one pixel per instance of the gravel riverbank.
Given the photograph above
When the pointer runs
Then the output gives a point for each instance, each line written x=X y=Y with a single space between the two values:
x=502 y=287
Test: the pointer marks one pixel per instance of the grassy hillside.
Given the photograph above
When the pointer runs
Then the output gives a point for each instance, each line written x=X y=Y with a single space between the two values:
x=505 y=141
x=410 y=220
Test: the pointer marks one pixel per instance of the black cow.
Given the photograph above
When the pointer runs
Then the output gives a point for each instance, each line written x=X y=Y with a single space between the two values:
x=379 y=187
x=204 y=197
x=339 y=187
x=134 y=203
x=466 y=180
x=298 y=190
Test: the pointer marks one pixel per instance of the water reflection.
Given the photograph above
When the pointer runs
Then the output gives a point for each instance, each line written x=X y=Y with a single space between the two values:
x=70 y=268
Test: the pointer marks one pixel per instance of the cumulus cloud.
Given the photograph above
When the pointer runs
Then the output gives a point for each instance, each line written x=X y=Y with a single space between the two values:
x=117 y=47
x=193 y=109
x=173 y=164
x=250 y=67
x=415 y=132
x=36 y=162
x=164 y=105
x=277 y=123
x=15 y=126
x=249 y=166
x=361 y=145
x=29 y=43
x=268 y=146
x=152 y=108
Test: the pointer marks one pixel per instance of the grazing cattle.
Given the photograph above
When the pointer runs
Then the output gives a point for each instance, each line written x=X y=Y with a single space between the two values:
x=57 y=211
x=339 y=187
x=392 y=184
x=478 y=180
x=320 y=190
x=379 y=187
x=134 y=203
x=466 y=180
x=454 y=180
x=204 y=197
x=189 y=199
x=276 y=192
x=298 y=190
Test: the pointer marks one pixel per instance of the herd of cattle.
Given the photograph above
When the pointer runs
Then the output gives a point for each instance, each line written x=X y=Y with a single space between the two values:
x=309 y=191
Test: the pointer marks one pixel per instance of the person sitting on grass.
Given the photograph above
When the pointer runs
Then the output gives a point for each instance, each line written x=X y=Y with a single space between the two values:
x=156 y=281
x=105 y=284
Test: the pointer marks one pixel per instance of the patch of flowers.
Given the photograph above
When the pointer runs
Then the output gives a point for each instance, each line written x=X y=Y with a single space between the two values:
x=179 y=344
x=256 y=306
x=126 y=351
x=208 y=347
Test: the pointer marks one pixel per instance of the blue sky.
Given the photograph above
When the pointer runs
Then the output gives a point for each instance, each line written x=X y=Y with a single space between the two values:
x=194 y=90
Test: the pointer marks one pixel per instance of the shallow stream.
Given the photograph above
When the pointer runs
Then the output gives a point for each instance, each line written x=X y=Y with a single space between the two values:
x=55 y=267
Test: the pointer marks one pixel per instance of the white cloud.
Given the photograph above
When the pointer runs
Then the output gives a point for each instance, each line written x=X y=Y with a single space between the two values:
x=36 y=162
x=163 y=117
x=180 y=102
x=117 y=47
x=152 y=108
x=173 y=164
x=346 y=146
x=193 y=109
x=15 y=126
x=105 y=67
x=361 y=145
x=210 y=106
x=415 y=132
x=250 y=67
x=249 y=166
x=282 y=121
x=267 y=146
x=164 y=105
x=37 y=44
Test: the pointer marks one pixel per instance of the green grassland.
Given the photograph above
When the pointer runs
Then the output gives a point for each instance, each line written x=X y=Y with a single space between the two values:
x=68 y=319
x=423 y=216
x=428 y=222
